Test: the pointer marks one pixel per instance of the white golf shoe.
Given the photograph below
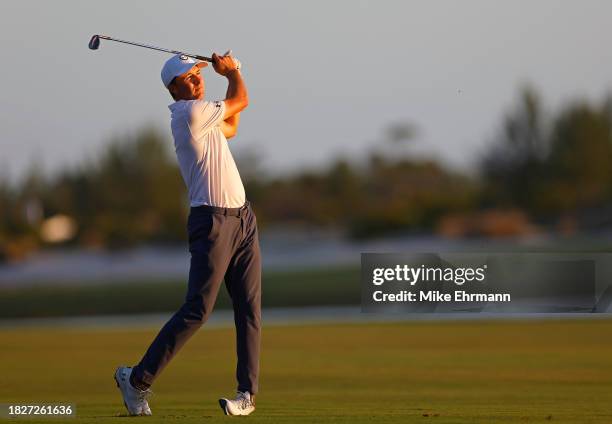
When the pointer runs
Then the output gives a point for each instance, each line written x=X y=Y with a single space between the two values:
x=134 y=400
x=243 y=404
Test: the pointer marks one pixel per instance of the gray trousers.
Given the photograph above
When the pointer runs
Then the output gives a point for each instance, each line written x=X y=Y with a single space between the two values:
x=222 y=246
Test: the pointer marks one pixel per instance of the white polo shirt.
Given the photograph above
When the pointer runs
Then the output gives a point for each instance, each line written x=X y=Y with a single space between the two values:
x=205 y=160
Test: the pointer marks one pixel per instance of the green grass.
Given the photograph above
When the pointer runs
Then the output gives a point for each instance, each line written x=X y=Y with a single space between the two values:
x=436 y=372
x=333 y=286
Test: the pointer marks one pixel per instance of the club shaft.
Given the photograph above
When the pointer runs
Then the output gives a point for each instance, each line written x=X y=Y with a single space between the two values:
x=148 y=46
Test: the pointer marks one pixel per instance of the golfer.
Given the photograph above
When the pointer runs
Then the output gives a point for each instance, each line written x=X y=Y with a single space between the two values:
x=223 y=238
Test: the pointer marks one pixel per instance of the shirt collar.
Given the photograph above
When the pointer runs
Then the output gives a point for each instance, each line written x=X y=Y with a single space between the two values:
x=180 y=103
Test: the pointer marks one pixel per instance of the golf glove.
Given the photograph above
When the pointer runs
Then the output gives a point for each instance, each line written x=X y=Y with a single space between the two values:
x=238 y=64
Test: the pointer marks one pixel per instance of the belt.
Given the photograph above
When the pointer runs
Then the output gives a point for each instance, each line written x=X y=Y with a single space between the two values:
x=238 y=212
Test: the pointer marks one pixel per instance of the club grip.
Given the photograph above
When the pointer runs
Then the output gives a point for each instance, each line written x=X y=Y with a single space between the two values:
x=204 y=58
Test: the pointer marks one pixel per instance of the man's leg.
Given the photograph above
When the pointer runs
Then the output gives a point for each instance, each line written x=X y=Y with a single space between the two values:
x=243 y=281
x=211 y=242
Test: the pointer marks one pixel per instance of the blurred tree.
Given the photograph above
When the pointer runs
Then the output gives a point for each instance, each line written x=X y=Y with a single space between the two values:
x=139 y=194
x=578 y=171
x=514 y=162
x=131 y=193
x=408 y=195
x=553 y=169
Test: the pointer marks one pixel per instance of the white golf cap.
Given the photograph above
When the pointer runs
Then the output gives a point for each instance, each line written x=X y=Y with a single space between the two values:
x=177 y=65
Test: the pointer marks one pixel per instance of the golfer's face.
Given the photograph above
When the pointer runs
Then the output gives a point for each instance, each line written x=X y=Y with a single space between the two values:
x=191 y=84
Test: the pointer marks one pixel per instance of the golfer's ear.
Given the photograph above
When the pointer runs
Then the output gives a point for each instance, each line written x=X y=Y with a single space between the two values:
x=201 y=65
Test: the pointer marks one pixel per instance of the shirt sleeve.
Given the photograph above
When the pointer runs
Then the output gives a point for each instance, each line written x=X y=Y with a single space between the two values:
x=205 y=116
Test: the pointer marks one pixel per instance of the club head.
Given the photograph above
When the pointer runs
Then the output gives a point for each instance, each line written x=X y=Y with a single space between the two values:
x=94 y=43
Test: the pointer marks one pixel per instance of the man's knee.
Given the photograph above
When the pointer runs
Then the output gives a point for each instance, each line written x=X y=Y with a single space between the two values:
x=196 y=310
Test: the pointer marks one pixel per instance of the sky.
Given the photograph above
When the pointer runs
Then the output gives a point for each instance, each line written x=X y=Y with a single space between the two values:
x=325 y=78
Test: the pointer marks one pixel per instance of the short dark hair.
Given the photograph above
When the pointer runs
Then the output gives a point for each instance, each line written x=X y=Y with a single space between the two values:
x=169 y=85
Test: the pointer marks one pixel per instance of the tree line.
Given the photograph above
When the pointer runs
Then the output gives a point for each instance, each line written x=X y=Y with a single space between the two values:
x=551 y=167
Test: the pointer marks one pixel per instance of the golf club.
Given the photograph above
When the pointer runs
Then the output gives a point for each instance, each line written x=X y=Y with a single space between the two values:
x=94 y=44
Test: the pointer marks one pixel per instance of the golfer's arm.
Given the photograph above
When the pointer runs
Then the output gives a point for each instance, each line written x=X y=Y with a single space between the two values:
x=237 y=97
x=229 y=126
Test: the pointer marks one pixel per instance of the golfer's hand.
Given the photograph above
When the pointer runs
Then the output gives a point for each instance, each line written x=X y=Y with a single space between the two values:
x=225 y=64
x=238 y=64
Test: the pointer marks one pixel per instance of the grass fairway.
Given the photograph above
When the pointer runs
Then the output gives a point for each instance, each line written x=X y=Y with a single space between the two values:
x=436 y=372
